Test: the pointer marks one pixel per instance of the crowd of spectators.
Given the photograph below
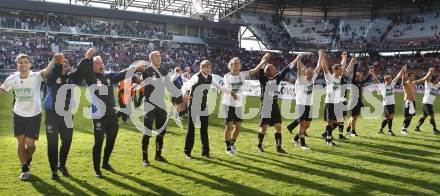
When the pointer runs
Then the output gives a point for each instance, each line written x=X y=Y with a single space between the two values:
x=83 y=25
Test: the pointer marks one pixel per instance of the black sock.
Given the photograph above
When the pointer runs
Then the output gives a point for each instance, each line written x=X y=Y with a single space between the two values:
x=159 y=145
x=390 y=124
x=232 y=142
x=228 y=145
x=302 y=139
x=296 y=138
x=408 y=122
x=384 y=123
x=432 y=121
x=328 y=131
x=278 y=140
x=24 y=168
x=260 y=139
x=348 y=129
x=341 y=127
x=421 y=121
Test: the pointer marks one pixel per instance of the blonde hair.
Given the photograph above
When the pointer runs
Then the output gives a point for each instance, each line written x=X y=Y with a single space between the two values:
x=387 y=77
x=204 y=63
x=232 y=61
x=153 y=53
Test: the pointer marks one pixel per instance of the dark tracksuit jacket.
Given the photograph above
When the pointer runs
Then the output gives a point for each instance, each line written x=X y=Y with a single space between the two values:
x=55 y=123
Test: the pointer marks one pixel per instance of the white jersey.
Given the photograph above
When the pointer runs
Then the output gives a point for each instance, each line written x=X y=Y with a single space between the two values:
x=431 y=91
x=235 y=83
x=304 y=90
x=27 y=93
x=333 y=89
x=387 y=92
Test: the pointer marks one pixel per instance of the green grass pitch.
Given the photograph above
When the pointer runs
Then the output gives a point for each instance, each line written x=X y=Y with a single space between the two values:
x=371 y=164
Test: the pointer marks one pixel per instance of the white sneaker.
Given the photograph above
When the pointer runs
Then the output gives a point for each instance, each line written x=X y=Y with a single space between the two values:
x=234 y=150
x=230 y=153
x=25 y=175
x=305 y=148
x=294 y=142
x=404 y=132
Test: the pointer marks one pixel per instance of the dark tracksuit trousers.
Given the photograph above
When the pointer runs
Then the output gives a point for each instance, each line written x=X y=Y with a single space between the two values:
x=104 y=128
x=55 y=126
x=158 y=116
x=190 y=137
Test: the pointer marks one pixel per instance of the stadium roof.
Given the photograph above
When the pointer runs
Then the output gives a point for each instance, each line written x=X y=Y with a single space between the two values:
x=220 y=8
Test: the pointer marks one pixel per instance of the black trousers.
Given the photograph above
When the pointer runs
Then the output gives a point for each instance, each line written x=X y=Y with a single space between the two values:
x=189 y=142
x=55 y=126
x=158 y=116
x=104 y=128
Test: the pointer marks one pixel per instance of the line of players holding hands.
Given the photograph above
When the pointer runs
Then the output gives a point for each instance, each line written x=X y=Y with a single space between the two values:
x=91 y=70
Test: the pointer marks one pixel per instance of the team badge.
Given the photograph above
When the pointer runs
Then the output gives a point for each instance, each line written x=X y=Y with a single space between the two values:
x=58 y=81
x=98 y=124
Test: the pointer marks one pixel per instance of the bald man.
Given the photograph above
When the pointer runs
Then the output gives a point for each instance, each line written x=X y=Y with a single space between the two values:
x=156 y=79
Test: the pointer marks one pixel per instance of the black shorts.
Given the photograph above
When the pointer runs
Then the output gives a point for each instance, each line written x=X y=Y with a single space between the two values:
x=232 y=114
x=333 y=111
x=27 y=126
x=357 y=109
x=275 y=116
x=388 y=109
x=407 y=114
x=303 y=112
x=176 y=100
x=427 y=109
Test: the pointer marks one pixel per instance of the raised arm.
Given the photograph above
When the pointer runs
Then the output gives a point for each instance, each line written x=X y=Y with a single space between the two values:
x=427 y=76
x=405 y=75
x=324 y=64
x=320 y=61
x=350 y=67
x=129 y=72
x=58 y=58
x=344 y=59
x=260 y=66
x=299 y=66
x=398 y=75
x=375 y=78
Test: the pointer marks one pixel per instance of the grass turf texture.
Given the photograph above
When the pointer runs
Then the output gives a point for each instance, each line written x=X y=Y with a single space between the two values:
x=369 y=165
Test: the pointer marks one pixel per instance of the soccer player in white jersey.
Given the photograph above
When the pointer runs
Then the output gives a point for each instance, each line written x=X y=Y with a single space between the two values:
x=432 y=86
x=386 y=89
x=27 y=108
x=232 y=108
x=304 y=85
x=333 y=104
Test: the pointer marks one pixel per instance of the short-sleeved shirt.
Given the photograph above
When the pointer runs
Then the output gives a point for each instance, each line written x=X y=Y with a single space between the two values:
x=304 y=90
x=333 y=89
x=27 y=93
x=387 y=92
x=431 y=91
x=235 y=83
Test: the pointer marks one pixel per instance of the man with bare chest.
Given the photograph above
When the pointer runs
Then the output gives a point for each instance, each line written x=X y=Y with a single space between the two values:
x=409 y=89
